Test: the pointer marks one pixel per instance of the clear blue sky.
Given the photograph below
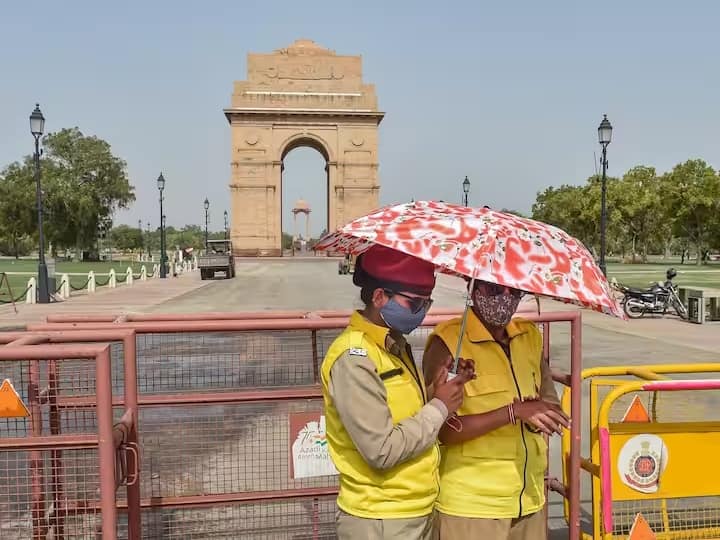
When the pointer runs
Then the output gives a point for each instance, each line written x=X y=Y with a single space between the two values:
x=508 y=93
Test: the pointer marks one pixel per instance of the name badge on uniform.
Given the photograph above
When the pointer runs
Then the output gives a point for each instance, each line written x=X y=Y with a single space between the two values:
x=357 y=352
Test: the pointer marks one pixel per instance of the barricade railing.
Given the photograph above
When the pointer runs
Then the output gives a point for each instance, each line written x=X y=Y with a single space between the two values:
x=646 y=453
x=219 y=316
x=124 y=386
x=216 y=398
x=61 y=466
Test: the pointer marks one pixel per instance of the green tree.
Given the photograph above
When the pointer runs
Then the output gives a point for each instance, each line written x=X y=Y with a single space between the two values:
x=126 y=238
x=188 y=236
x=569 y=208
x=639 y=209
x=557 y=206
x=85 y=184
x=576 y=210
x=17 y=207
x=692 y=192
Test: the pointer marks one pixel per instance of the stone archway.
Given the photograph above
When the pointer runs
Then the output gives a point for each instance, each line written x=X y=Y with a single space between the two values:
x=303 y=95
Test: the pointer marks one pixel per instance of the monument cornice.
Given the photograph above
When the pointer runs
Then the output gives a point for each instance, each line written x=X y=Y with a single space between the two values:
x=274 y=112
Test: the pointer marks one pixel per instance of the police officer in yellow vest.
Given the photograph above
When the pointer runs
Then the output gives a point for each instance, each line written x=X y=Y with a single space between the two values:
x=494 y=454
x=381 y=424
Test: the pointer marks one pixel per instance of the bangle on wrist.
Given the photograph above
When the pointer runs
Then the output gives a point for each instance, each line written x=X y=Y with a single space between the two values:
x=511 y=414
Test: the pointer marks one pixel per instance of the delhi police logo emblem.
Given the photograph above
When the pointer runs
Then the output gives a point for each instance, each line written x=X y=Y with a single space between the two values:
x=641 y=461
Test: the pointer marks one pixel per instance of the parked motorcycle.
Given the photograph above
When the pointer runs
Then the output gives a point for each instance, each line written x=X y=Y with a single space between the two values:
x=655 y=300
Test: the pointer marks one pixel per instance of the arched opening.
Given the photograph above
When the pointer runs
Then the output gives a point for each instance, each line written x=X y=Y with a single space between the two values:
x=304 y=194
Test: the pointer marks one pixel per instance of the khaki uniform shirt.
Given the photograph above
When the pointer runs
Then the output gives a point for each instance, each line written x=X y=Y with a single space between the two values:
x=361 y=401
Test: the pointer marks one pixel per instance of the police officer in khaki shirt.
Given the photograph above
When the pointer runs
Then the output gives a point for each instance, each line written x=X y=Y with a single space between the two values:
x=382 y=425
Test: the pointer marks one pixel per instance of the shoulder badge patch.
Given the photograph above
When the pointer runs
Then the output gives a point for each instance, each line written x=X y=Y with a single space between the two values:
x=357 y=352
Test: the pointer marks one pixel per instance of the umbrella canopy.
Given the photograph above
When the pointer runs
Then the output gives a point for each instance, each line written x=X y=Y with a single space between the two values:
x=484 y=244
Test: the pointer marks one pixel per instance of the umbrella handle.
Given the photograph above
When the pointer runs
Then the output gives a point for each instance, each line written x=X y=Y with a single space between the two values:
x=463 y=324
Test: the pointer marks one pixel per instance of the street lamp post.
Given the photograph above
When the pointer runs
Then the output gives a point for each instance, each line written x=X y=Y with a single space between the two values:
x=604 y=137
x=148 y=242
x=206 y=204
x=225 y=215
x=161 y=188
x=466 y=190
x=142 y=238
x=37 y=125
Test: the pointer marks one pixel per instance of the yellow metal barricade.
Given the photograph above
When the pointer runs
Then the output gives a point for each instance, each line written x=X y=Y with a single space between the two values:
x=662 y=465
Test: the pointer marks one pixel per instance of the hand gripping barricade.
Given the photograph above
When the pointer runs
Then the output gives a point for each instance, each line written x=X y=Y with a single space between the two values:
x=654 y=434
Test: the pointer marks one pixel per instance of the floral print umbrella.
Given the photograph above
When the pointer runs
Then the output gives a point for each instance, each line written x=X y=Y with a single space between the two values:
x=484 y=244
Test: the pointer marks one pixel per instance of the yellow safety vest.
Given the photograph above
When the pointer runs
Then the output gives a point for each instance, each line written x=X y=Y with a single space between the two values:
x=499 y=474
x=408 y=489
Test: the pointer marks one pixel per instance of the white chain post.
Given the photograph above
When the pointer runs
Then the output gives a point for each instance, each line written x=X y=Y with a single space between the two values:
x=30 y=297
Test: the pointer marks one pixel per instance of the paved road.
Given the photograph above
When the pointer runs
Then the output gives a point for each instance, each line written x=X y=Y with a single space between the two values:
x=307 y=284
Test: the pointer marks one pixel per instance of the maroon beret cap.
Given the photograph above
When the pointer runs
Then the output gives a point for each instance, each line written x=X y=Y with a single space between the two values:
x=383 y=267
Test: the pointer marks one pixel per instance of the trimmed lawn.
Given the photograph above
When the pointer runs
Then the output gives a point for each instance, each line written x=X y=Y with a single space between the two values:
x=689 y=275
x=19 y=283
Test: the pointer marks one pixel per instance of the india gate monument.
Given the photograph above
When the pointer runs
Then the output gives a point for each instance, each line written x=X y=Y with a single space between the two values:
x=303 y=95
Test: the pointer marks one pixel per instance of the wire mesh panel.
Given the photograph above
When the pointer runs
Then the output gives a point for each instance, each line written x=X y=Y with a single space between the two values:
x=215 y=449
x=217 y=361
x=52 y=492
x=18 y=373
x=43 y=387
x=74 y=377
x=298 y=519
x=688 y=518
x=50 y=475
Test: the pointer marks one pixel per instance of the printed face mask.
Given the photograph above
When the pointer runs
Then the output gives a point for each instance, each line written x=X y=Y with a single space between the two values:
x=401 y=318
x=495 y=310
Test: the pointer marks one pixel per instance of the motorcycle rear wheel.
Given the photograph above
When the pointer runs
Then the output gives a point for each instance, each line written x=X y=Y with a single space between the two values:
x=633 y=310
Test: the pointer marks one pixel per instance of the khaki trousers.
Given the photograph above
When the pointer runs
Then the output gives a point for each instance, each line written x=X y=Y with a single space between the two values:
x=356 y=528
x=530 y=527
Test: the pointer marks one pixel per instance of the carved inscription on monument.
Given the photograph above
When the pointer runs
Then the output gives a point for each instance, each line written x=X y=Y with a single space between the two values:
x=303 y=72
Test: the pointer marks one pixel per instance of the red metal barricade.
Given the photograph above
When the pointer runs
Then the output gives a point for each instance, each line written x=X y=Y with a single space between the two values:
x=124 y=388
x=215 y=401
x=62 y=462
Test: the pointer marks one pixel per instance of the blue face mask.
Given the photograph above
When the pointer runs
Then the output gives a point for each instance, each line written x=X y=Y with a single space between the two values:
x=401 y=318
